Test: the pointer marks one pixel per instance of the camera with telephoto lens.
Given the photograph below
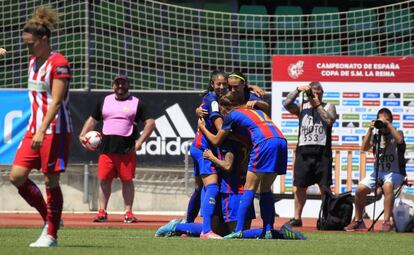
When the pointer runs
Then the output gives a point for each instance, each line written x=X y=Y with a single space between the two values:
x=309 y=94
x=378 y=124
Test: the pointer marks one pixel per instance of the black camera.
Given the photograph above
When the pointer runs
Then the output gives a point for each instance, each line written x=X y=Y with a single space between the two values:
x=378 y=124
x=309 y=94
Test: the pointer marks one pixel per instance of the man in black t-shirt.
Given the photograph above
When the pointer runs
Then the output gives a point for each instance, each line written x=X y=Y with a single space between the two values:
x=120 y=112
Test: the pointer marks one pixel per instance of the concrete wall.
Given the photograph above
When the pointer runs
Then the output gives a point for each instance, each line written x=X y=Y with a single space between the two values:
x=150 y=195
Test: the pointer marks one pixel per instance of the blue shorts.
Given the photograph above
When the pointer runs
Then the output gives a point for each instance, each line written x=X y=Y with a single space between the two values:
x=230 y=205
x=269 y=156
x=202 y=166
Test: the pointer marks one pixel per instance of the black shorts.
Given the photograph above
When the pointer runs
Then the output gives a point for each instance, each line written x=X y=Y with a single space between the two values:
x=313 y=167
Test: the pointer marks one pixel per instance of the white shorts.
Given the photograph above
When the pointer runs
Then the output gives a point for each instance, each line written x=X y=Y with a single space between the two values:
x=394 y=178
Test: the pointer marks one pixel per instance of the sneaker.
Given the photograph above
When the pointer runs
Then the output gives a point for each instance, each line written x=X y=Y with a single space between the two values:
x=289 y=233
x=294 y=222
x=129 y=217
x=210 y=235
x=355 y=225
x=102 y=216
x=234 y=235
x=44 y=242
x=168 y=229
x=386 y=226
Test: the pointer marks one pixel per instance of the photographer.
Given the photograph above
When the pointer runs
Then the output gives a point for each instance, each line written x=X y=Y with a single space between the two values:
x=390 y=164
x=313 y=158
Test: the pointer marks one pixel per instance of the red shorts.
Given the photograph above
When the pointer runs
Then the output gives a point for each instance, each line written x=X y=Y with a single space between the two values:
x=114 y=165
x=51 y=158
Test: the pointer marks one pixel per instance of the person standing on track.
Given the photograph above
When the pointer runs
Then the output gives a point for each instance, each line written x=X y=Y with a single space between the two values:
x=45 y=145
x=313 y=161
x=120 y=112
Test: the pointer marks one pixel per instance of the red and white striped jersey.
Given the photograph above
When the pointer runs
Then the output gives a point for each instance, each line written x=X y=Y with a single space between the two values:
x=40 y=93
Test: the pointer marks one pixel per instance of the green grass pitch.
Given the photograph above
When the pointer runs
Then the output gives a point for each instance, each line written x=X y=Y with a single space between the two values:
x=100 y=241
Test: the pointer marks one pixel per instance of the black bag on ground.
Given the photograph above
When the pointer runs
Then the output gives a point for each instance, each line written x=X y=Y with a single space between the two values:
x=336 y=210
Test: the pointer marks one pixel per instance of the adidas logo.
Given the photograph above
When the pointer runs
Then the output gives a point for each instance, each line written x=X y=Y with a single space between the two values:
x=172 y=134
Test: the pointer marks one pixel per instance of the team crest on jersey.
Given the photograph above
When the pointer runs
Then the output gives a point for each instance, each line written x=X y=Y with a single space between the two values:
x=126 y=109
x=62 y=70
x=296 y=70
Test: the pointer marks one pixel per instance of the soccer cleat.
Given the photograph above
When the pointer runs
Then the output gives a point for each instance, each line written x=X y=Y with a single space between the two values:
x=129 y=217
x=294 y=222
x=290 y=234
x=210 y=235
x=168 y=229
x=355 y=225
x=234 y=235
x=44 y=242
x=101 y=216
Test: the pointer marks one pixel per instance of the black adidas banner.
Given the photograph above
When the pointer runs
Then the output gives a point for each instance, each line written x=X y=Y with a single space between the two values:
x=175 y=118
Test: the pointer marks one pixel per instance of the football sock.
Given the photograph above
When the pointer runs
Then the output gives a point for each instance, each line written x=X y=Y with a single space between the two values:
x=191 y=229
x=267 y=210
x=245 y=202
x=54 y=209
x=209 y=203
x=33 y=196
x=193 y=205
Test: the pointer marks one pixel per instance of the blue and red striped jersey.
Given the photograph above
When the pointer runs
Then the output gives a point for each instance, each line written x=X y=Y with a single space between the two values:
x=258 y=125
x=209 y=103
x=233 y=182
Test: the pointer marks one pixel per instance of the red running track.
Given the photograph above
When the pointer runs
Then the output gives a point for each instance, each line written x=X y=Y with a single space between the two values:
x=84 y=220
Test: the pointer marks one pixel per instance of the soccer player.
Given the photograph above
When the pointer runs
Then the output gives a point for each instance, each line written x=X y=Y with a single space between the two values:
x=237 y=82
x=45 y=145
x=267 y=158
x=232 y=162
x=204 y=171
x=120 y=112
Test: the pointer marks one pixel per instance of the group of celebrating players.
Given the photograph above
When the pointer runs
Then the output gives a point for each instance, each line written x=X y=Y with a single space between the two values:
x=237 y=151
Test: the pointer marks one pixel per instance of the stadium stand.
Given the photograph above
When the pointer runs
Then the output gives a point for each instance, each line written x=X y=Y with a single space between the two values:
x=160 y=38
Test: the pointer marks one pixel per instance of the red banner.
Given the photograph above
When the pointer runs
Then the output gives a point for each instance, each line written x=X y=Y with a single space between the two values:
x=343 y=68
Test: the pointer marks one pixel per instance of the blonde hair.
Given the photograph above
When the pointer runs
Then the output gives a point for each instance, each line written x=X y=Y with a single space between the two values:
x=44 y=19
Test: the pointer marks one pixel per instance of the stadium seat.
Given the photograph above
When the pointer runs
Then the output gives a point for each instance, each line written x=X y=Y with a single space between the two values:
x=289 y=20
x=324 y=20
x=288 y=48
x=146 y=47
x=109 y=14
x=216 y=16
x=257 y=79
x=215 y=49
x=362 y=22
x=73 y=46
x=361 y=48
x=179 y=18
x=398 y=21
x=400 y=49
x=179 y=49
x=252 y=51
x=328 y=47
x=255 y=20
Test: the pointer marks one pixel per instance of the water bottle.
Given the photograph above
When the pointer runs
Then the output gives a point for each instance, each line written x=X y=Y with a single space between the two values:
x=401 y=214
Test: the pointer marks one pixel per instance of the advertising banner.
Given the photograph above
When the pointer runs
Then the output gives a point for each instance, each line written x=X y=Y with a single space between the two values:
x=175 y=119
x=174 y=114
x=357 y=86
x=14 y=116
